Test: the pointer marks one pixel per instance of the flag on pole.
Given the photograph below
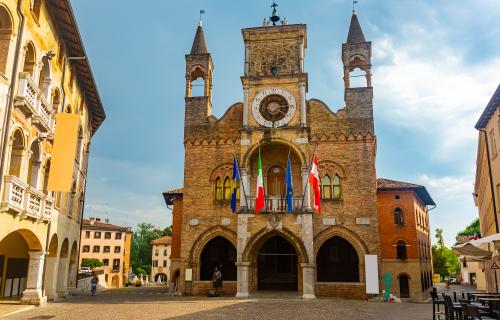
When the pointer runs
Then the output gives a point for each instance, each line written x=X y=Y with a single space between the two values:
x=314 y=181
x=289 y=186
x=259 y=199
x=235 y=181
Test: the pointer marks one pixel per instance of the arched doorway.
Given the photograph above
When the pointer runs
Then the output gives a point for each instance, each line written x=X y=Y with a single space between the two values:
x=15 y=251
x=161 y=277
x=276 y=181
x=404 y=286
x=218 y=252
x=337 y=261
x=277 y=265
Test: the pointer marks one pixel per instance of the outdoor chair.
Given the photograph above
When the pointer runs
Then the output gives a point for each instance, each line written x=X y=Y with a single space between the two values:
x=472 y=313
x=435 y=302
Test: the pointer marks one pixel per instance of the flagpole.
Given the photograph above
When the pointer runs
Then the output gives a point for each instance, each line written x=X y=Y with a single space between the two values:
x=308 y=175
x=241 y=179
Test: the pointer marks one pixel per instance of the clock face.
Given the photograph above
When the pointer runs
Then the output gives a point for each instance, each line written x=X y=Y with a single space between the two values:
x=273 y=107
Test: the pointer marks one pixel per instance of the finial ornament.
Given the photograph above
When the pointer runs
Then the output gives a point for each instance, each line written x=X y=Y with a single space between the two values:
x=274 y=17
x=200 y=23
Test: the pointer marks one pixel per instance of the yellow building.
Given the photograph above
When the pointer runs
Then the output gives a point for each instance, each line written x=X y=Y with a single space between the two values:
x=110 y=244
x=43 y=72
x=487 y=184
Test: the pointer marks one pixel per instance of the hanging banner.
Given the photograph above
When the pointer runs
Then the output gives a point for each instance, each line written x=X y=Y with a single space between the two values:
x=64 y=152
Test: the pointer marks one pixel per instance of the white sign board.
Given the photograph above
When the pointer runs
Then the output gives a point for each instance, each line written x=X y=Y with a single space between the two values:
x=371 y=272
x=189 y=275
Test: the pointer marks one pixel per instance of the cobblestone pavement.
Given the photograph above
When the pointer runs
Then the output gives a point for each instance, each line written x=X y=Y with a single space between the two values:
x=155 y=304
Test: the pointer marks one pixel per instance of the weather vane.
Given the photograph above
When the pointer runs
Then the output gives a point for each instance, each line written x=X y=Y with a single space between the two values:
x=201 y=13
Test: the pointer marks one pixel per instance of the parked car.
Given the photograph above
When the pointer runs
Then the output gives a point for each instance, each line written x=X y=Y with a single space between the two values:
x=85 y=270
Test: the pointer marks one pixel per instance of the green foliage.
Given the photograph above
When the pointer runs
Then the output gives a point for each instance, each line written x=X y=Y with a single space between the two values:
x=91 y=263
x=141 y=254
x=471 y=229
x=445 y=261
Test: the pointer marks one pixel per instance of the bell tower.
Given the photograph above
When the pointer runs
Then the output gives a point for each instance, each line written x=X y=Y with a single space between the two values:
x=199 y=64
x=356 y=56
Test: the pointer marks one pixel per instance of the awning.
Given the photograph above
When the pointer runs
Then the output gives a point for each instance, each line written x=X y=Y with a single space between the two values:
x=478 y=250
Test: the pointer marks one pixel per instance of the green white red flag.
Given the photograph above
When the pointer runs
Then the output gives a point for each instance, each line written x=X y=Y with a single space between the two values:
x=259 y=198
x=314 y=181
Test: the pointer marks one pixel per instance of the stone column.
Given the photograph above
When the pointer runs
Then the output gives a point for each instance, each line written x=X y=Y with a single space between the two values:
x=62 y=278
x=245 y=107
x=308 y=281
x=33 y=293
x=303 y=114
x=242 y=284
x=307 y=203
x=51 y=278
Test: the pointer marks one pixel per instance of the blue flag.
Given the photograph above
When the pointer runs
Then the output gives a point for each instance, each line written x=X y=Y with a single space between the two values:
x=235 y=181
x=289 y=186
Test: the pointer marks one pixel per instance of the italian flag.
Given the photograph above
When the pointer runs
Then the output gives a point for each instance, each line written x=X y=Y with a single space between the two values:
x=259 y=199
x=314 y=181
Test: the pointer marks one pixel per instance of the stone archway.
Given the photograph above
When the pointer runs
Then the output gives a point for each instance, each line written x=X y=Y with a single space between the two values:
x=21 y=267
x=62 y=276
x=51 y=269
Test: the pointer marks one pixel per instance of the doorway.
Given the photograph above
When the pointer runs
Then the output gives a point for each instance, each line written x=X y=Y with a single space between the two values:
x=277 y=265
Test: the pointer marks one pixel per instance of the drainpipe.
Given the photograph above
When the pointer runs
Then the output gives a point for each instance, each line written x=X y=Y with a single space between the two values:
x=491 y=179
x=13 y=86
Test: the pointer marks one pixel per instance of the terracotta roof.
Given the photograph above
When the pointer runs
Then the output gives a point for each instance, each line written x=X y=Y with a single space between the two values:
x=355 y=34
x=171 y=195
x=199 y=43
x=162 y=240
x=98 y=225
x=65 y=21
x=489 y=110
x=390 y=185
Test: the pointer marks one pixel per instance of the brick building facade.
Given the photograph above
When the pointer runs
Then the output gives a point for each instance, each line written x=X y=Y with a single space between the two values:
x=310 y=253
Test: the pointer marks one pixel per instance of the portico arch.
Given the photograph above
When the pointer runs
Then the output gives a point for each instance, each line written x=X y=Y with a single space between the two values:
x=353 y=239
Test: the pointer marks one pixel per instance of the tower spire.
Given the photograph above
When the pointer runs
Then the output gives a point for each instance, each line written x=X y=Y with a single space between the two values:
x=355 y=34
x=199 y=43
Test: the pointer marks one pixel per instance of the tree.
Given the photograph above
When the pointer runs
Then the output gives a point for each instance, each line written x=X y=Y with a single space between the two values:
x=444 y=260
x=91 y=263
x=141 y=254
x=471 y=229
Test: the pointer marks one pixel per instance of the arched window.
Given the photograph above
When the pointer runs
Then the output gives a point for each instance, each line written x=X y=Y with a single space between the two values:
x=5 y=35
x=336 y=187
x=227 y=189
x=30 y=60
x=398 y=216
x=36 y=6
x=401 y=250
x=16 y=154
x=326 y=188
x=218 y=189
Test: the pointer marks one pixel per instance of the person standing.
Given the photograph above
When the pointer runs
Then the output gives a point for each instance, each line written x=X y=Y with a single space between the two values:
x=93 y=284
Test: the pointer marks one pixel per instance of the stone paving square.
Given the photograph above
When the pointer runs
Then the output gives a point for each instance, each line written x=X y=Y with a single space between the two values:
x=155 y=304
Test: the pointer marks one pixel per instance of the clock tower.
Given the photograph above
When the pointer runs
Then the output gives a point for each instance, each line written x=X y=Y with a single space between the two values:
x=274 y=81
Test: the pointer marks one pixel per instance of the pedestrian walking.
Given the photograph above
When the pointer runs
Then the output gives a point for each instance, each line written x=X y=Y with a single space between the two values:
x=93 y=283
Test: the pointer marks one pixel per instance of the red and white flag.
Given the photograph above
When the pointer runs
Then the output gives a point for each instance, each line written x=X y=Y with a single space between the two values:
x=314 y=181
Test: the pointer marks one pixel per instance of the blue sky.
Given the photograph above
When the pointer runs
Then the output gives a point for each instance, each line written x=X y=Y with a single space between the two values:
x=435 y=66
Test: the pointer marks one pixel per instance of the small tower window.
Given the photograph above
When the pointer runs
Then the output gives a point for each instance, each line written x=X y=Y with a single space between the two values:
x=401 y=250
x=398 y=217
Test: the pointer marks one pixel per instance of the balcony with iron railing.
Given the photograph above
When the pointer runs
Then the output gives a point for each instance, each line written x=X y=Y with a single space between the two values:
x=21 y=199
x=276 y=204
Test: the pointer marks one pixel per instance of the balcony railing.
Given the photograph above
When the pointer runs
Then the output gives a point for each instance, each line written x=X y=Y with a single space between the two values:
x=27 y=90
x=14 y=194
x=22 y=199
x=276 y=204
